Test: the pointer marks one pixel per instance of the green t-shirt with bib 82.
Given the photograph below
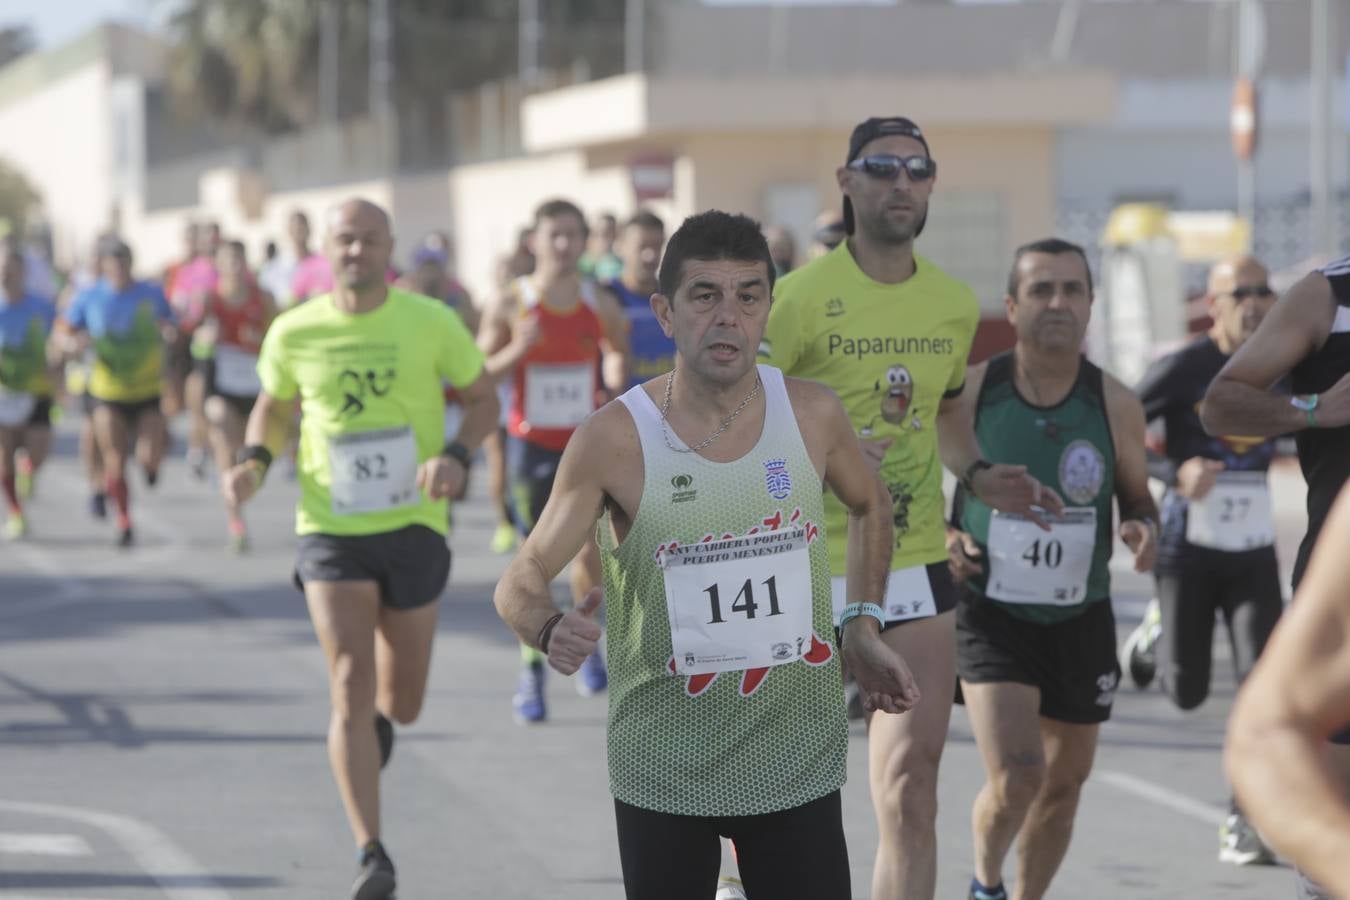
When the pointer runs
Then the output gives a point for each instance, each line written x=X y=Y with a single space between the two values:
x=891 y=352
x=364 y=380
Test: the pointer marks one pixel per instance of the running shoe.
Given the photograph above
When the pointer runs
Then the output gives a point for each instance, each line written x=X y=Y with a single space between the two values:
x=729 y=888
x=1240 y=845
x=384 y=732
x=196 y=460
x=17 y=527
x=126 y=537
x=528 y=702
x=591 y=677
x=239 y=544
x=1138 y=655
x=98 y=505
x=980 y=892
x=151 y=477
x=504 y=538
x=375 y=880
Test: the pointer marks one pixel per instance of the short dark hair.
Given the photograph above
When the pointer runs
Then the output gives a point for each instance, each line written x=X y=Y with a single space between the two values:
x=645 y=218
x=712 y=235
x=1054 y=246
x=556 y=208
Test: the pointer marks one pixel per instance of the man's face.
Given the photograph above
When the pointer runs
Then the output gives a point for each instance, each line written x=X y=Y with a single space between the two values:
x=558 y=242
x=298 y=229
x=717 y=316
x=115 y=269
x=605 y=234
x=230 y=263
x=208 y=240
x=11 y=271
x=1239 y=298
x=1053 y=303
x=429 y=277
x=359 y=246
x=887 y=210
x=640 y=249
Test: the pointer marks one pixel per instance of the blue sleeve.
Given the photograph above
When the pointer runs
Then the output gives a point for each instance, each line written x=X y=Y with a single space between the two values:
x=77 y=313
x=163 y=311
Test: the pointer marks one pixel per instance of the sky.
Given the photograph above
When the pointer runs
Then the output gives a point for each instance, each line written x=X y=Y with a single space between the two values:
x=58 y=22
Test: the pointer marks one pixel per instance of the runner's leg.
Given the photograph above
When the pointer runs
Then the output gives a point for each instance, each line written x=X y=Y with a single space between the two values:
x=403 y=660
x=151 y=441
x=798 y=852
x=1187 y=598
x=345 y=615
x=112 y=432
x=667 y=857
x=1044 y=838
x=1005 y=718
x=903 y=755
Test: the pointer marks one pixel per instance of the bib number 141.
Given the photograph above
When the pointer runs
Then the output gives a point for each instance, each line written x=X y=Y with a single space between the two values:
x=744 y=603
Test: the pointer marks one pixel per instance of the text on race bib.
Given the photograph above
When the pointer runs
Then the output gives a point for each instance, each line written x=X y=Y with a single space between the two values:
x=1029 y=565
x=559 y=396
x=373 y=471
x=237 y=372
x=739 y=603
x=1235 y=515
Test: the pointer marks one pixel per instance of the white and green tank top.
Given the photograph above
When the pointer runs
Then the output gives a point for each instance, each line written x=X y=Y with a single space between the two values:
x=735 y=555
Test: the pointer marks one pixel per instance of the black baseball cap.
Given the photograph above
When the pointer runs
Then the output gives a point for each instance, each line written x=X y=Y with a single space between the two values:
x=869 y=131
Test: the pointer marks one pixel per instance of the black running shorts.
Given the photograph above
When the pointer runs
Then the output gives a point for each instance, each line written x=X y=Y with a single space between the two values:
x=1073 y=663
x=410 y=565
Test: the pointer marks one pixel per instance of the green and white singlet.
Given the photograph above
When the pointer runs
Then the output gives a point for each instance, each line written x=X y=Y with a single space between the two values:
x=737 y=708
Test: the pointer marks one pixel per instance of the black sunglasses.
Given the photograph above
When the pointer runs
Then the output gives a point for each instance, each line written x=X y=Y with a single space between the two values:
x=887 y=166
x=1258 y=290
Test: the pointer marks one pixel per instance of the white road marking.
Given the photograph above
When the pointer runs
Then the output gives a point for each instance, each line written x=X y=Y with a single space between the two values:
x=44 y=845
x=1156 y=793
x=178 y=875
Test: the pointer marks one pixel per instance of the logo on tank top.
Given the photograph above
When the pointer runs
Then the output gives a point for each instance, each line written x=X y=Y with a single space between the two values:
x=898 y=398
x=1082 y=471
x=776 y=478
x=834 y=307
x=684 y=489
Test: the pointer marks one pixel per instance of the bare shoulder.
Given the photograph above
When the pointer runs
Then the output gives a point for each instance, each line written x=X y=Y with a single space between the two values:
x=1122 y=404
x=810 y=398
x=974 y=378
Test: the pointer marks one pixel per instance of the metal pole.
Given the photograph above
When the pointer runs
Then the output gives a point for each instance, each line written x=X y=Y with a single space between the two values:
x=530 y=31
x=634 y=36
x=1322 y=226
x=330 y=33
x=381 y=62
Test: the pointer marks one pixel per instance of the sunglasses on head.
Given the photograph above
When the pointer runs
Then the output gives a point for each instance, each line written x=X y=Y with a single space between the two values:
x=887 y=166
x=1257 y=290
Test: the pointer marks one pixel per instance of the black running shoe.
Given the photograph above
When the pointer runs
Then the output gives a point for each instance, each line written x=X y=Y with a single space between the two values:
x=125 y=537
x=151 y=477
x=375 y=880
x=1240 y=844
x=98 y=505
x=384 y=731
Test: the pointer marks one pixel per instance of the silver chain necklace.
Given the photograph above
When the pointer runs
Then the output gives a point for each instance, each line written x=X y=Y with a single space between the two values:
x=726 y=423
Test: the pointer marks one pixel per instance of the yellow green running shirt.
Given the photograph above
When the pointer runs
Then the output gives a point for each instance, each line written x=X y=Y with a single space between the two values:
x=741 y=736
x=891 y=352
x=364 y=381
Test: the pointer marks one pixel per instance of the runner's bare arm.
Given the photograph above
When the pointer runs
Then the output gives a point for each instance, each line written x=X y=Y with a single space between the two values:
x=1298 y=694
x=1239 y=400
x=1009 y=489
x=882 y=674
x=268 y=426
x=618 y=353
x=1138 y=511
x=481 y=409
x=522 y=597
x=495 y=338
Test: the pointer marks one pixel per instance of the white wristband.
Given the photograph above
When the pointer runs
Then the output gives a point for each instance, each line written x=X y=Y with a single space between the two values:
x=854 y=610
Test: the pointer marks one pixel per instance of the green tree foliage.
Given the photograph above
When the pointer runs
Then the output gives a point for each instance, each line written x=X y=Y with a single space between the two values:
x=18 y=199
x=256 y=62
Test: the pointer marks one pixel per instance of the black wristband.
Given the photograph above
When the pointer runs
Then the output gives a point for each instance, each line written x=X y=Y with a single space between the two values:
x=547 y=631
x=458 y=452
x=255 y=452
x=968 y=479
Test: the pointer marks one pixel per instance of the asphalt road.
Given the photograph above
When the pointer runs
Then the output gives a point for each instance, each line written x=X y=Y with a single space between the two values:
x=163 y=710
